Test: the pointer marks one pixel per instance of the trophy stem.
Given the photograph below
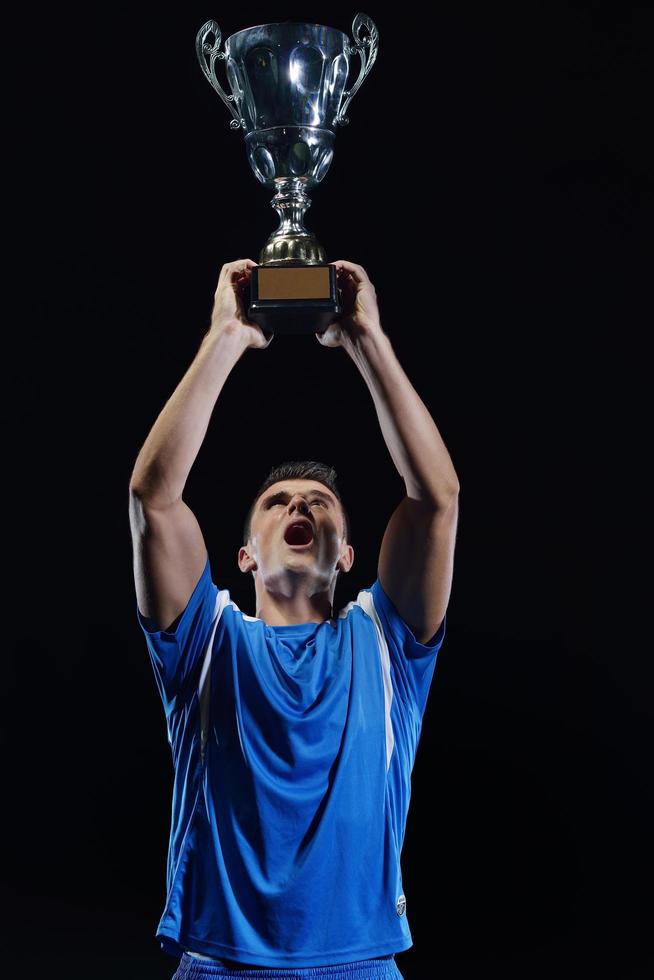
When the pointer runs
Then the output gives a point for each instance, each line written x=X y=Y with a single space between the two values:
x=291 y=243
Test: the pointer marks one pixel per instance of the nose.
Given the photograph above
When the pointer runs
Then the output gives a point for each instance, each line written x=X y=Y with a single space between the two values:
x=298 y=502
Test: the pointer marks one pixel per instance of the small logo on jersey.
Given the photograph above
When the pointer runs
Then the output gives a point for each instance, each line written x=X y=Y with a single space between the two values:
x=400 y=905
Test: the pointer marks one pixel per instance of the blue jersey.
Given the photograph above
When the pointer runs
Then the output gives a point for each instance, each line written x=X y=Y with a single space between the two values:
x=292 y=751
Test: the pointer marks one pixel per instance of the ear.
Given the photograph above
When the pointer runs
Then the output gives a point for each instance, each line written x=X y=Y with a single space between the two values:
x=346 y=560
x=245 y=560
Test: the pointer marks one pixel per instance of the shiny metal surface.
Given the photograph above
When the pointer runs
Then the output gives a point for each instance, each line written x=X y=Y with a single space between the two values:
x=288 y=96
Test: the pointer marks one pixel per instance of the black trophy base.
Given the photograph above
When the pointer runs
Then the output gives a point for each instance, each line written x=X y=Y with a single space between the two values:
x=293 y=298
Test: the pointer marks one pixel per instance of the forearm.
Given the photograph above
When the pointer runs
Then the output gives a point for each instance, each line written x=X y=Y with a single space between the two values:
x=167 y=455
x=410 y=433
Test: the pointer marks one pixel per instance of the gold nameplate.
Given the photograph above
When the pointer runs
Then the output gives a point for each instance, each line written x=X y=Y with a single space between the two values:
x=304 y=282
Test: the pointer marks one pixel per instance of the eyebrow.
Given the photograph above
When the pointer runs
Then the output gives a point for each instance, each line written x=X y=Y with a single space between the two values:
x=284 y=493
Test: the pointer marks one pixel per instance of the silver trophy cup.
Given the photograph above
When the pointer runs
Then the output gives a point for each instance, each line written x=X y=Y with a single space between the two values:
x=288 y=96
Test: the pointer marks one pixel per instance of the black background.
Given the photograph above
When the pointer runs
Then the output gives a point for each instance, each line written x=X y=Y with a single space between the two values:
x=495 y=183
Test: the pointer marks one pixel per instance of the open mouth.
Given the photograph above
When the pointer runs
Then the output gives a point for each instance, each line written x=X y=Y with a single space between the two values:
x=298 y=535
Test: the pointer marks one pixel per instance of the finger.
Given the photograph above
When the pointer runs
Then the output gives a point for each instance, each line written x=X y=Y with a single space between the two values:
x=240 y=283
x=242 y=268
x=356 y=271
x=239 y=265
x=344 y=277
x=350 y=282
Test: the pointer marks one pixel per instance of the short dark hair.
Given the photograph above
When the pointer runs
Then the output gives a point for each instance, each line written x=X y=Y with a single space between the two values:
x=299 y=470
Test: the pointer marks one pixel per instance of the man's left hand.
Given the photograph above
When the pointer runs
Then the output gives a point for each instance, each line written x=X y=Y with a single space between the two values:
x=360 y=314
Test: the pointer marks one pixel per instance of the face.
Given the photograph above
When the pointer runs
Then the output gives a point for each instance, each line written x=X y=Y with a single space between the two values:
x=297 y=529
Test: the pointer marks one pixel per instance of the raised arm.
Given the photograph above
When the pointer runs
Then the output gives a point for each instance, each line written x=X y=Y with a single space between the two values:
x=168 y=546
x=416 y=557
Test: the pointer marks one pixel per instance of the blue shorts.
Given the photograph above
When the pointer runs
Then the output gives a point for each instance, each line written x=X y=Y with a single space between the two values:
x=379 y=968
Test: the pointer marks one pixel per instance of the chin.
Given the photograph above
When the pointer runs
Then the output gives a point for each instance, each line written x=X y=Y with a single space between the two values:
x=298 y=561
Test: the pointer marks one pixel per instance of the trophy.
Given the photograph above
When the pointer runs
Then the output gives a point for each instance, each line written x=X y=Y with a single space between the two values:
x=288 y=96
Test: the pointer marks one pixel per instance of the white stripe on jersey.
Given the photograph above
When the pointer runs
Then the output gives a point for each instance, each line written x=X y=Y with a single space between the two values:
x=204 y=687
x=365 y=601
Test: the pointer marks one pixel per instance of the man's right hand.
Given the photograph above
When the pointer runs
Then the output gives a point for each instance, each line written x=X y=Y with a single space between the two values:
x=229 y=307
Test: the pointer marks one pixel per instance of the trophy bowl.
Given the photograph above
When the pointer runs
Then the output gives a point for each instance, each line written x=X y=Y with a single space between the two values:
x=288 y=95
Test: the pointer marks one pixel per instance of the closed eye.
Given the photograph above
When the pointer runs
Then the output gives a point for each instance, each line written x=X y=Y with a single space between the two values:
x=277 y=500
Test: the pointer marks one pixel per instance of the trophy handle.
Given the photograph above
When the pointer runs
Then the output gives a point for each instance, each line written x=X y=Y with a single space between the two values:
x=204 y=49
x=367 y=60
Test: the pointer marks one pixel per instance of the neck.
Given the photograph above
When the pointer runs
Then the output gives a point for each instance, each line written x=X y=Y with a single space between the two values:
x=281 y=610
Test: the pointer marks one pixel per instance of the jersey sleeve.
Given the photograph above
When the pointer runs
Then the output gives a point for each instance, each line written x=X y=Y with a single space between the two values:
x=413 y=662
x=176 y=655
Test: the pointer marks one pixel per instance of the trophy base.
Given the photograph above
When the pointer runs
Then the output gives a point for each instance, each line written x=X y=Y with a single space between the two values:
x=294 y=299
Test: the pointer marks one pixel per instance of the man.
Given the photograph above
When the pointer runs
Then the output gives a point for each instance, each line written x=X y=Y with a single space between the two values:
x=293 y=731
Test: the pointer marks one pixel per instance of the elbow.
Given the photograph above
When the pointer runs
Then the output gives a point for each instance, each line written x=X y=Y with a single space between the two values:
x=446 y=499
x=453 y=488
x=442 y=500
x=449 y=501
x=445 y=495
